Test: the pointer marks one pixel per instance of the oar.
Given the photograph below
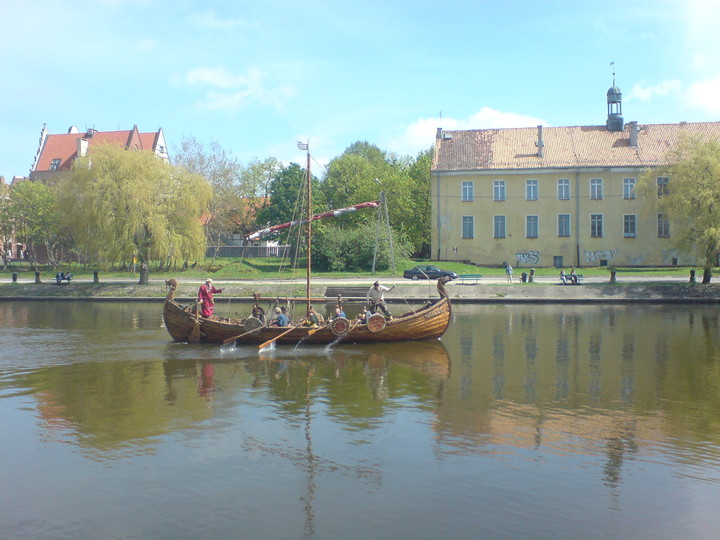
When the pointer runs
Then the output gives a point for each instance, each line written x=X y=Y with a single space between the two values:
x=268 y=342
x=228 y=340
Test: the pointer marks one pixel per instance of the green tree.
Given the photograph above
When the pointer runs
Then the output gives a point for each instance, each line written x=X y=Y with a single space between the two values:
x=288 y=197
x=224 y=174
x=692 y=200
x=339 y=249
x=363 y=171
x=418 y=228
x=29 y=214
x=123 y=204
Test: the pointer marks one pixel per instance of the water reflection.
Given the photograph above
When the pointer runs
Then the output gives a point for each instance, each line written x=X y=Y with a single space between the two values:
x=583 y=399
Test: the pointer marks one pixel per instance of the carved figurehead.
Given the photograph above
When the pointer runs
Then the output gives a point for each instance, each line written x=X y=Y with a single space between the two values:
x=441 y=286
x=171 y=284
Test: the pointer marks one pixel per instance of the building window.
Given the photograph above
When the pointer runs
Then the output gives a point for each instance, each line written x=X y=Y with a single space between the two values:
x=596 y=225
x=563 y=189
x=531 y=226
x=663 y=226
x=467 y=191
x=468 y=227
x=596 y=189
x=531 y=190
x=629 y=225
x=498 y=226
x=662 y=185
x=55 y=164
x=563 y=225
x=628 y=188
x=499 y=190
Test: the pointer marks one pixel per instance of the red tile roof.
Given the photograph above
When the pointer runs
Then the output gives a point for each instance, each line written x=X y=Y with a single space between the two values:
x=64 y=146
x=565 y=147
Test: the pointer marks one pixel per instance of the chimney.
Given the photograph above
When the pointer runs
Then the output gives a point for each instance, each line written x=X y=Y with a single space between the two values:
x=633 y=129
x=82 y=146
x=540 y=143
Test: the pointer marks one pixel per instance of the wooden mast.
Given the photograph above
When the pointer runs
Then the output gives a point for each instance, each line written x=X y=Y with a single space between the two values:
x=309 y=229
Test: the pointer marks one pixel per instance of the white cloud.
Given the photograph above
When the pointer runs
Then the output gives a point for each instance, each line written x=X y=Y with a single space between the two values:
x=704 y=95
x=646 y=93
x=420 y=135
x=230 y=92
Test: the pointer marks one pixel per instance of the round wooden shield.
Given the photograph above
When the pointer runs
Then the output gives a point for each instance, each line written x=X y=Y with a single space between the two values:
x=251 y=323
x=340 y=326
x=375 y=322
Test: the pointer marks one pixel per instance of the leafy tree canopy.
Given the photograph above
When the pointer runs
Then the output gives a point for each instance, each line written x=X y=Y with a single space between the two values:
x=288 y=199
x=123 y=204
x=363 y=171
x=29 y=213
x=692 y=201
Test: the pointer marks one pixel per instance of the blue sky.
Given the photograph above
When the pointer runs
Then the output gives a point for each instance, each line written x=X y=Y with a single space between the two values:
x=256 y=76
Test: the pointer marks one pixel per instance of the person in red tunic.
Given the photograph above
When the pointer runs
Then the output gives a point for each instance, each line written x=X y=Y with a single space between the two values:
x=205 y=297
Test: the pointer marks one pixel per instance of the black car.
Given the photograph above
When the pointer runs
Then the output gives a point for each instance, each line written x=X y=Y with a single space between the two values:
x=428 y=271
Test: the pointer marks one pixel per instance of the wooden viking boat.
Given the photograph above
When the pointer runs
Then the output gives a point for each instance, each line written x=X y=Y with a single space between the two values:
x=184 y=323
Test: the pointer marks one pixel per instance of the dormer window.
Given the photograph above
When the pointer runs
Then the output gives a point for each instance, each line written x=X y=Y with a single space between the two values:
x=55 y=164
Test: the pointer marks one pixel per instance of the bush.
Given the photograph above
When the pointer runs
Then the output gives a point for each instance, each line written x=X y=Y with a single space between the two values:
x=351 y=250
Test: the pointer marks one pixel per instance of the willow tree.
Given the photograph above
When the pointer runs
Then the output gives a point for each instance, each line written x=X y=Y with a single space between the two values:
x=690 y=199
x=125 y=204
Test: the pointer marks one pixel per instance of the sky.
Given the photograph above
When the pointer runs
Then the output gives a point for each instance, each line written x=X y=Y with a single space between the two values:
x=258 y=76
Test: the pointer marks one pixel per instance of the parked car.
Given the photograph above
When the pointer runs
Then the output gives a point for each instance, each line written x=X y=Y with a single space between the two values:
x=428 y=271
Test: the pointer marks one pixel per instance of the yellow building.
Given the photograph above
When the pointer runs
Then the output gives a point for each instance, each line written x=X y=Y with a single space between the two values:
x=554 y=196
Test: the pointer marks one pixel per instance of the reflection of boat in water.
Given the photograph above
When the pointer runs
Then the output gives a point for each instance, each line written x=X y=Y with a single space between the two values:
x=187 y=325
x=428 y=357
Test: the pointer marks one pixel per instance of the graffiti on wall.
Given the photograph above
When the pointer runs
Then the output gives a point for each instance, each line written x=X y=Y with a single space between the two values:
x=593 y=256
x=527 y=257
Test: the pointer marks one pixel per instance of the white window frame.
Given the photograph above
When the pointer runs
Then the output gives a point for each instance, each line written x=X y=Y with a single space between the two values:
x=467 y=191
x=467 y=228
x=629 y=226
x=663 y=186
x=629 y=188
x=596 y=189
x=499 y=190
x=563 y=189
x=532 y=222
x=564 y=221
x=597 y=225
x=531 y=190
x=663 y=226
x=499 y=227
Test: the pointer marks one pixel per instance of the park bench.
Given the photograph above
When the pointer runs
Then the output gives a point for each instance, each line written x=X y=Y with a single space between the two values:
x=60 y=277
x=467 y=278
x=580 y=278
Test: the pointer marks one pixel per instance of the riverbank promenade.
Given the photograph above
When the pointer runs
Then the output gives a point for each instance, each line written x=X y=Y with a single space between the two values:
x=492 y=289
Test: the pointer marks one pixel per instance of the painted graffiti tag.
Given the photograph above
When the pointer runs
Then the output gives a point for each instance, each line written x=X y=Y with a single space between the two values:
x=592 y=256
x=527 y=257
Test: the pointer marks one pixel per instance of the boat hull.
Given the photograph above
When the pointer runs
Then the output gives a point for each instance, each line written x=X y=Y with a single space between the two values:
x=184 y=325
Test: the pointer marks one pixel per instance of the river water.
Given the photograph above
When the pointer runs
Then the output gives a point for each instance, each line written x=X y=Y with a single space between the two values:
x=524 y=421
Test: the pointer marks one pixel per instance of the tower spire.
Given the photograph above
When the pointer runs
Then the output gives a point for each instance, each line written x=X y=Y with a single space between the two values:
x=614 y=104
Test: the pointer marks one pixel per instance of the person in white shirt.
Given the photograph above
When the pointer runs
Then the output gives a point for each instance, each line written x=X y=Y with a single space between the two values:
x=376 y=300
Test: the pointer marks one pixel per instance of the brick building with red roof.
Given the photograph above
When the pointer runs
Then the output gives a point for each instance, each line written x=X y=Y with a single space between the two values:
x=57 y=152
